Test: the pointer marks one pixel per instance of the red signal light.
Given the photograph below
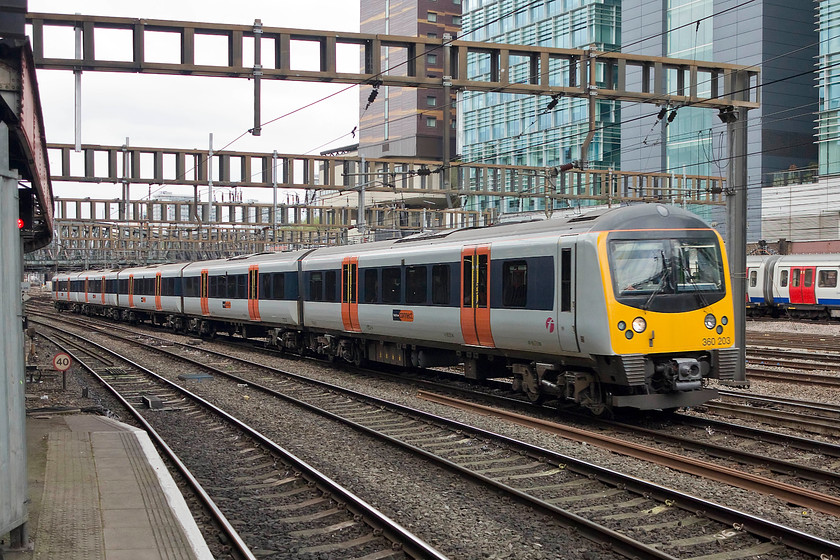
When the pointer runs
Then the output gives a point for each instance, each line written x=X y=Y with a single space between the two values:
x=20 y=223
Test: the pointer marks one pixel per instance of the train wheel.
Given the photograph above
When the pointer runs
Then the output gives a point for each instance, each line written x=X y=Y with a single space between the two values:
x=358 y=355
x=531 y=385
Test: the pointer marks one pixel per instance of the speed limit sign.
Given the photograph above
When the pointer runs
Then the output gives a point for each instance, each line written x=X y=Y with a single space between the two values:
x=62 y=361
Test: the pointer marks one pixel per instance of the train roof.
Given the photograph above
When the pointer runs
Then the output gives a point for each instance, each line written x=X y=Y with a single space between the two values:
x=799 y=259
x=636 y=217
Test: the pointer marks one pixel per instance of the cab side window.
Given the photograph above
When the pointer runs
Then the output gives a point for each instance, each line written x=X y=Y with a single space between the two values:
x=783 y=278
x=753 y=278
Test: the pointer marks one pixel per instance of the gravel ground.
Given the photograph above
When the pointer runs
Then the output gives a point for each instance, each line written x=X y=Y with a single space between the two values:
x=384 y=486
x=768 y=507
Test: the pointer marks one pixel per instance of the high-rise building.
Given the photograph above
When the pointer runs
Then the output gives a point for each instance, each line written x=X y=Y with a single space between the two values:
x=778 y=36
x=407 y=122
x=515 y=129
x=828 y=79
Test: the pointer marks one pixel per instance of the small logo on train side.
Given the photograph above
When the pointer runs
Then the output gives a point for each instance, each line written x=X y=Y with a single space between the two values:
x=549 y=325
x=226 y=304
x=403 y=315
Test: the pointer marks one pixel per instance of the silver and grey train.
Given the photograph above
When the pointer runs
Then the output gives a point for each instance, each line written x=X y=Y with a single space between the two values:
x=626 y=307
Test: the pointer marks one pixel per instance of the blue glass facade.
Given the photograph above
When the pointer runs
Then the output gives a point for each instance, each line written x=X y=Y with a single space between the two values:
x=688 y=139
x=517 y=129
x=828 y=126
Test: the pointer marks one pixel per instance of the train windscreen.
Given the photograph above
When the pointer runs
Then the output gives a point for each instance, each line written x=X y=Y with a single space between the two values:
x=645 y=269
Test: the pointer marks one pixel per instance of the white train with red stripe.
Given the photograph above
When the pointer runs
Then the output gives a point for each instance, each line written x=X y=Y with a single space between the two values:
x=627 y=307
x=801 y=286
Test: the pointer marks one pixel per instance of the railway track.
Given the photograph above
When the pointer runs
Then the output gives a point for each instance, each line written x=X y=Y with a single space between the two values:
x=548 y=480
x=797 y=341
x=793 y=359
x=320 y=518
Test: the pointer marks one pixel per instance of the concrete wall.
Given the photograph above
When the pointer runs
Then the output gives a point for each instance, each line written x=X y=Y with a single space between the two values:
x=13 y=486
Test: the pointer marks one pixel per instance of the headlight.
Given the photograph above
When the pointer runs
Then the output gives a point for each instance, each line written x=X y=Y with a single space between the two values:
x=724 y=320
x=639 y=325
x=622 y=325
x=710 y=321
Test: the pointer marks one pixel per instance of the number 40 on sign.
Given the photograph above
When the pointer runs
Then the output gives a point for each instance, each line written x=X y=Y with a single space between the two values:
x=62 y=361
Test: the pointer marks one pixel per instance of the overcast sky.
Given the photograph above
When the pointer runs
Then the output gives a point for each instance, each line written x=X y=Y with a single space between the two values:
x=181 y=111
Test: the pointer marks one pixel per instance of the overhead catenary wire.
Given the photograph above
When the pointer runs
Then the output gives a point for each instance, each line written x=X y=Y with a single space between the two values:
x=412 y=116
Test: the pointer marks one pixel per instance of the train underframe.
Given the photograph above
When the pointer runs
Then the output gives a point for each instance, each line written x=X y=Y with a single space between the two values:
x=598 y=383
x=799 y=311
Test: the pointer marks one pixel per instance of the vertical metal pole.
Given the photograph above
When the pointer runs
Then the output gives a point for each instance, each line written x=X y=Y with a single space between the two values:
x=592 y=91
x=736 y=207
x=274 y=185
x=447 y=113
x=209 y=215
x=77 y=71
x=258 y=31
x=360 y=216
x=126 y=197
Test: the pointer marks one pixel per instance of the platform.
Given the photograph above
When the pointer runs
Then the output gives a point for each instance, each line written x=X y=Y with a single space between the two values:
x=99 y=490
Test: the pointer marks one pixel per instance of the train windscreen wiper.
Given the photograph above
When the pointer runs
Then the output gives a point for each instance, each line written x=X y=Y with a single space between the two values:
x=664 y=276
x=686 y=268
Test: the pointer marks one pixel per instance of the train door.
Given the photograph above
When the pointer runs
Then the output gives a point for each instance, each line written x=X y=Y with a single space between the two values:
x=131 y=290
x=87 y=285
x=254 y=292
x=475 y=296
x=802 y=284
x=158 y=292
x=103 y=290
x=809 y=274
x=350 y=294
x=204 y=290
x=567 y=300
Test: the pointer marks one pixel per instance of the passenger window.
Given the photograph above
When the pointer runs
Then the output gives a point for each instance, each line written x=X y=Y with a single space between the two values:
x=827 y=279
x=783 y=278
x=753 y=278
x=482 y=281
x=371 y=285
x=242 y=286
x=391 y=285
x=316 y=286
x=809 y=278
x=440 y=284
x=796 y=276
x=330 y=286
x=415 y=284
x=468 y=282
x=514 y=284
x=278 y=285
x=265 y=286
x=230 y=287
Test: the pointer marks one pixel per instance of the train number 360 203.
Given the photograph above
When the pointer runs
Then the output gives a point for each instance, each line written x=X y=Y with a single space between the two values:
x=719 y=341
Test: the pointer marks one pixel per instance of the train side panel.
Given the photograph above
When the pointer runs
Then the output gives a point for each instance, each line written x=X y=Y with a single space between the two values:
x=386 y=310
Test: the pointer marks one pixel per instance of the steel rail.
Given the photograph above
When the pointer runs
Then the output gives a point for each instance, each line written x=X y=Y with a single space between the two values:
x=801 y=496
x=205 y=498
x=760 y=527
x=794 y=420
x=411 y=544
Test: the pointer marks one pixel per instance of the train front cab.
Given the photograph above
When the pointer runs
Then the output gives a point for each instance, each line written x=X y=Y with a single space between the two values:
x=670 y=316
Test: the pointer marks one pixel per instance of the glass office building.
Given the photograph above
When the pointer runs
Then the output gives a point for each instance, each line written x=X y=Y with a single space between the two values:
x=517 y=129
x=777 y=37
x=828 y=124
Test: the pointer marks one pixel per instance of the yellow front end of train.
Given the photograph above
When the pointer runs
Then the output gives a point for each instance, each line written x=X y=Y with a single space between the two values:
x=668 y=306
